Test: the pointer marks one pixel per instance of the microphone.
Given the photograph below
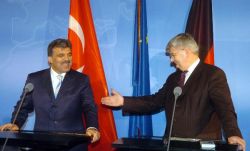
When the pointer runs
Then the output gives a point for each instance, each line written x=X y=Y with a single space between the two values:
x=177 y=92
x=28 y=88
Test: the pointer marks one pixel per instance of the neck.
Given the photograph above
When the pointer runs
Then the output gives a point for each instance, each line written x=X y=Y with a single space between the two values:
x=190 y=61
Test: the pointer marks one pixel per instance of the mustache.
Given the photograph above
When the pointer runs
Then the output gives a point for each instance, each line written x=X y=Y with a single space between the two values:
x=66 y=62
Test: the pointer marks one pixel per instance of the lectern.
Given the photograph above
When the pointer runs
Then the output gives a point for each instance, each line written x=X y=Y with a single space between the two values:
x=48 y=141
x=156 y=144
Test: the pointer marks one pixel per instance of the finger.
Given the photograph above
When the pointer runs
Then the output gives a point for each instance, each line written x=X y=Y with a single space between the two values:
x=11 y=128
x=92 y=137
x=96 y=137
x=89 y=134
x=5 y=127
x=105 y=100
x=114 y=92
x=1 y=128
x=239 y=142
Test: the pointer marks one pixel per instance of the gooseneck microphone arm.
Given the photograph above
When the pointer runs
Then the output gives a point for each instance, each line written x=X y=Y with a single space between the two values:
x=177 y=92
x=28 y=88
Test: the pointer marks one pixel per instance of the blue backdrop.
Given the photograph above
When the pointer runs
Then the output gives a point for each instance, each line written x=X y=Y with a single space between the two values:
x=27 y=26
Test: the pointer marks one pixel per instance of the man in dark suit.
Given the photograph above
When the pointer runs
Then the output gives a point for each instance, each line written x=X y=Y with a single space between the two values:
x=205 y=105
x=60 y=97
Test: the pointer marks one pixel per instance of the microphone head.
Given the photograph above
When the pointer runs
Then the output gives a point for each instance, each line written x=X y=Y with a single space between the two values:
x=28 y=87
x=177 y=91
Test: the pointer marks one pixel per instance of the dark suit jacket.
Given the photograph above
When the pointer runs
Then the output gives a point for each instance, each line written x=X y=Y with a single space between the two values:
x=204 y=106
x=63 y=113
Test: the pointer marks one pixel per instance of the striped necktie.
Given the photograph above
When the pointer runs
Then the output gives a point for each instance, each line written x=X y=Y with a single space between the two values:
x=59 y=77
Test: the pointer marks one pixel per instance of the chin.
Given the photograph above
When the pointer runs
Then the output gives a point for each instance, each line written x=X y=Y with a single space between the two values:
x=66 y=70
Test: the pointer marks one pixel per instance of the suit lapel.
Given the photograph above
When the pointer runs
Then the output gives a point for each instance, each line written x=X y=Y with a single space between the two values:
x=48 y=84
x=193 y=77
x=65 y=84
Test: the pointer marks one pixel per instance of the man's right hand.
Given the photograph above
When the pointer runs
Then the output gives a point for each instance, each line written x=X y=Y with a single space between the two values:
x=115 y=100
x=9 y=127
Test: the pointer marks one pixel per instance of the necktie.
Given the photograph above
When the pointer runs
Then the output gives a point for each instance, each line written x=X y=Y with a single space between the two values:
x=59 y=77
x=182 y=78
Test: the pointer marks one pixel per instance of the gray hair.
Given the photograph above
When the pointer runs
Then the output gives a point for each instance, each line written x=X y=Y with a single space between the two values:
x=183 y=40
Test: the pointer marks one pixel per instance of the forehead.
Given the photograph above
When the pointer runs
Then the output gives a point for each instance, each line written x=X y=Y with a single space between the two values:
x=173 y=49
x=61 y=50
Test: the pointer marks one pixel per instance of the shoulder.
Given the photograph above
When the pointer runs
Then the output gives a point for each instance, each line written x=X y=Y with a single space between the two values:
x=211 y=71
x=211 y=68
x=77 y=75
x=38 y=73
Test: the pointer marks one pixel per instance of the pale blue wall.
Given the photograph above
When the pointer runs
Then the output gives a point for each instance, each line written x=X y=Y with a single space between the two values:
x=27 y=26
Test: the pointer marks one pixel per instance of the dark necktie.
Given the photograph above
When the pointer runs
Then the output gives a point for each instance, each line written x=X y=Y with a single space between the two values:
x=182 y=78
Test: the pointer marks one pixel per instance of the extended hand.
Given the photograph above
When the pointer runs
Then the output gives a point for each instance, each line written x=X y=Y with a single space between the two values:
x=239 y=141
x=115 y=100
x=94 y=134
x=9 y=127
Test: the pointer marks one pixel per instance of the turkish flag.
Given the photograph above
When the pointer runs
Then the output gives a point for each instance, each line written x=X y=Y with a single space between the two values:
x=87 y=59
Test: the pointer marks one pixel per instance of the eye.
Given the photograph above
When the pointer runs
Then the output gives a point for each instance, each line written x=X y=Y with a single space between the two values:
x=60 y=55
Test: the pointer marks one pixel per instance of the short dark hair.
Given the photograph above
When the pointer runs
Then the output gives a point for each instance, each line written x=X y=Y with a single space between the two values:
x=58 y=43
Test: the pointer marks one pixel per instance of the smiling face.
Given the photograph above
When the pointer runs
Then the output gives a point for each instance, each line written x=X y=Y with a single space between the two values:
x=60 y=59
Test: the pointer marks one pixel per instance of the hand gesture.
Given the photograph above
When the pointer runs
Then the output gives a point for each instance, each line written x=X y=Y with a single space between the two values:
x=115 y=100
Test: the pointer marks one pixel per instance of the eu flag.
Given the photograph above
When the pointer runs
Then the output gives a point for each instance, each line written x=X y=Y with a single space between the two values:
x=140 y=125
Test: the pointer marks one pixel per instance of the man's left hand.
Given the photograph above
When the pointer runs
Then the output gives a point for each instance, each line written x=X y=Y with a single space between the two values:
x=237 y=140
x=94 y=134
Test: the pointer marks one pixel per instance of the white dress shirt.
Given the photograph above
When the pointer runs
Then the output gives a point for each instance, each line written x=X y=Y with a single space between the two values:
x=191 y=69
x=54 y=79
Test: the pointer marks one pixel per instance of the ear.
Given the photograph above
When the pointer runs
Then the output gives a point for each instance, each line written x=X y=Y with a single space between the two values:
x=185 y=52
x=188 y=50
x=50 y=60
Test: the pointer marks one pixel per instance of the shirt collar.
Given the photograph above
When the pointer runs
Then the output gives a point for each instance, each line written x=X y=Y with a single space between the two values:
x=53 y=73
x=193 y=66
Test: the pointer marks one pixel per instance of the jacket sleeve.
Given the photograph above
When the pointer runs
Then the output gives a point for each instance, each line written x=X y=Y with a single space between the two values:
x=19 y=117
x=146 y=104
x=221 y=98
x=88 y=104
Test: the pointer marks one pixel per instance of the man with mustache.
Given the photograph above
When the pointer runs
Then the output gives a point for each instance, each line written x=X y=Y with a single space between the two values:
x=60 y=97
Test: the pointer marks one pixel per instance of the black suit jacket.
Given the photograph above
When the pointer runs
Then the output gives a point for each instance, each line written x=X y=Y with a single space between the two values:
x=63 y=113
x=204 y=106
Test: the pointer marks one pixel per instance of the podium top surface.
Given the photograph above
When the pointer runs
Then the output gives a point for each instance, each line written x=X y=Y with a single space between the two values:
x=156 y=144
x=49 y=139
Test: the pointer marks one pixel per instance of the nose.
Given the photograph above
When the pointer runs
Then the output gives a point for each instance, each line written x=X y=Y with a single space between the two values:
x=67 y=58
x=171 y=59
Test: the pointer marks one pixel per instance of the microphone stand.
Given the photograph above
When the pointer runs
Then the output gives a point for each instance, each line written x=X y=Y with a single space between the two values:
x=177 y=93
x=28 y=88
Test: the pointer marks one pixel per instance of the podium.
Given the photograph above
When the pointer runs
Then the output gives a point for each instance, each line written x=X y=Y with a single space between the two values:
x=156 y=144
x=43 y=140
